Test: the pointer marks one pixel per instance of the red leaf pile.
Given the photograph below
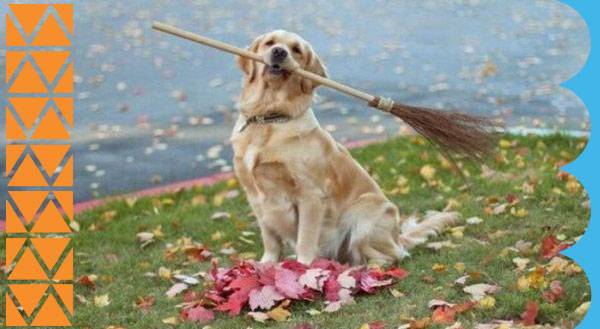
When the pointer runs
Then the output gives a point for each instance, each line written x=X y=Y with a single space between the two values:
x=261 y=286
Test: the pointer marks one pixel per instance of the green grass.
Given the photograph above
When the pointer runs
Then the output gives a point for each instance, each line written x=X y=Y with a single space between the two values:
x=107 y=246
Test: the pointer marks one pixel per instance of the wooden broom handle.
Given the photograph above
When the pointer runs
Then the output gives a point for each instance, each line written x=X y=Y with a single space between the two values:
x=170 y=29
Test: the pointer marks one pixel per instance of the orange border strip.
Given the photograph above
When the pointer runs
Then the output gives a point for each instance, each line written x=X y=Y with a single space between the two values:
x=39 y=165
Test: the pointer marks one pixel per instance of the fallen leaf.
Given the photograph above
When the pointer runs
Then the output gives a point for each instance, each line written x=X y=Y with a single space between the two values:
x=479 y=291
x=555 y=293
x=279 y=314
x=551 y=247
x=176 y=289
x=261 y=317
x=88 y=281
x=530 y=314
x=582 y=309
x=102 y=300
x=145 y=303
x=264 y=298
x=172 y=321
x=198 y=314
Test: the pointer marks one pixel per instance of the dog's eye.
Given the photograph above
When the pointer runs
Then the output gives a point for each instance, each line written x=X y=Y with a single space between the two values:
x=269 y=43
x=297 y=50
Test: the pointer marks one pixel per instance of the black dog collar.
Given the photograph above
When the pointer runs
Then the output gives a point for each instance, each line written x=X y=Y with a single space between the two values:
x=271 y=117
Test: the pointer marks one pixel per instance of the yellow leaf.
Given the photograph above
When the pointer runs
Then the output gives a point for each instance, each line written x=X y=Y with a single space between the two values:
x=279 y=314
x=427 y=172
x=523 y=284
x=170 y=321
x=505 y=144
x=232 y=182
x=164 y=273
x=439 y=267
x=582 y=309
x=218 y=235
x=460 y=267
x=102 y=300
x=487 y=302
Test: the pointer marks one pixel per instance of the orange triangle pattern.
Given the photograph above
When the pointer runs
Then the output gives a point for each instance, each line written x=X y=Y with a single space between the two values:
x=65 y=11
x=13 y=128
x=28 y=108
x=65 y=85
x=50 y=128
x=50 y=156
x=13 y=223
x=65 y=178
x=28 y=15
x=28 y=268
x=13 y=36
x=51 y=315
x=65 y=272
x=50 y=62
x=65 y=198
x=13 y=245
x=65 y=105
x=28 y=202
x=13 y=316
x=65 y=292
x=13 y=59
x=50 y=34
x=28 y=295
x=51 y=221
x=28 y=81
x=28 y=174
x=13 y=153
x=50 y=249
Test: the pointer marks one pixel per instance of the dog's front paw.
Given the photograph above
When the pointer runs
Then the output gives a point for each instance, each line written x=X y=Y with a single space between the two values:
x=306 y=260
x=269 y=258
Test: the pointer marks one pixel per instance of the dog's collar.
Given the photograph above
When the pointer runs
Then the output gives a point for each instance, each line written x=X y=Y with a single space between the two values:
x=271 y=117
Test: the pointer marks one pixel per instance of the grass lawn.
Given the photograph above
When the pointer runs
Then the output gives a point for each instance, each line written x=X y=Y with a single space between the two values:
x=520 y=197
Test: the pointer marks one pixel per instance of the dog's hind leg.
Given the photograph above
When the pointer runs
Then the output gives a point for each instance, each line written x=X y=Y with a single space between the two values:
x=415 y=232
x=373 y=223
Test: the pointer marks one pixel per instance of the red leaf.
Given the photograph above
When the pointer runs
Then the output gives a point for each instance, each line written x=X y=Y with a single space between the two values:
x=555 y=292
x=332 y=289
x=397 y=273
x=198 y=253
x=304 y=325
x=191 y=296
x=294 y=266
x=286 y=282
x=531 y=312
x=85 y=281
x=551 y=247
x=377 y=325
x=198 y=314
x=145 y=303
x=443 y=315
x=264 y=298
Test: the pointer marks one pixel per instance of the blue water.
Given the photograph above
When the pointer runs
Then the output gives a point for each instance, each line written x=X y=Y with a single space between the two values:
x=151 y=107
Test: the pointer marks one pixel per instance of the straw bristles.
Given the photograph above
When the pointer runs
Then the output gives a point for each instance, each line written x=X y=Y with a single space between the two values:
x=468 y=135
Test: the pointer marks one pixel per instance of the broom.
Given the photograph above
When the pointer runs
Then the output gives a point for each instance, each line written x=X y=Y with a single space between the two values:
x=453 y=132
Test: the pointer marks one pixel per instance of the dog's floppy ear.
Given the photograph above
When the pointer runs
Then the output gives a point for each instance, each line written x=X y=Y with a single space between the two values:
x=248 y=66
x=314 y=65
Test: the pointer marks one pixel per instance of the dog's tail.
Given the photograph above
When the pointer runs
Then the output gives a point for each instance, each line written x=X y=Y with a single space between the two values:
x=415 y=232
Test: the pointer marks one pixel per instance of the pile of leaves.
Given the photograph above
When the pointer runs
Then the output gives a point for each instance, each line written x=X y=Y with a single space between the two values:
x=268 y=289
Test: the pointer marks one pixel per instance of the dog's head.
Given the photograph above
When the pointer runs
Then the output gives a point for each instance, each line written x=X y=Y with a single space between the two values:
x=282 y=52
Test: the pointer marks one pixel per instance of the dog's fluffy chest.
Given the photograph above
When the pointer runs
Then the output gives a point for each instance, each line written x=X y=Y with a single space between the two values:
x=268 y=142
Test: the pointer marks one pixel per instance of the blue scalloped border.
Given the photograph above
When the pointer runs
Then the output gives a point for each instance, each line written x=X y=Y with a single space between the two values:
x=587 y=86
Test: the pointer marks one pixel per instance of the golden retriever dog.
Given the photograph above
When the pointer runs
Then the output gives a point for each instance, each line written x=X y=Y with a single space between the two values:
x=305 y=188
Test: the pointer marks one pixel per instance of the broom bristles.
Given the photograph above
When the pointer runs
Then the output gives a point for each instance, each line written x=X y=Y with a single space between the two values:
x=467 y=135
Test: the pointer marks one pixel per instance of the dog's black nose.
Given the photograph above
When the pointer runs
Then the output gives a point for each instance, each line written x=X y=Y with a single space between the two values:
x=278 y=54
